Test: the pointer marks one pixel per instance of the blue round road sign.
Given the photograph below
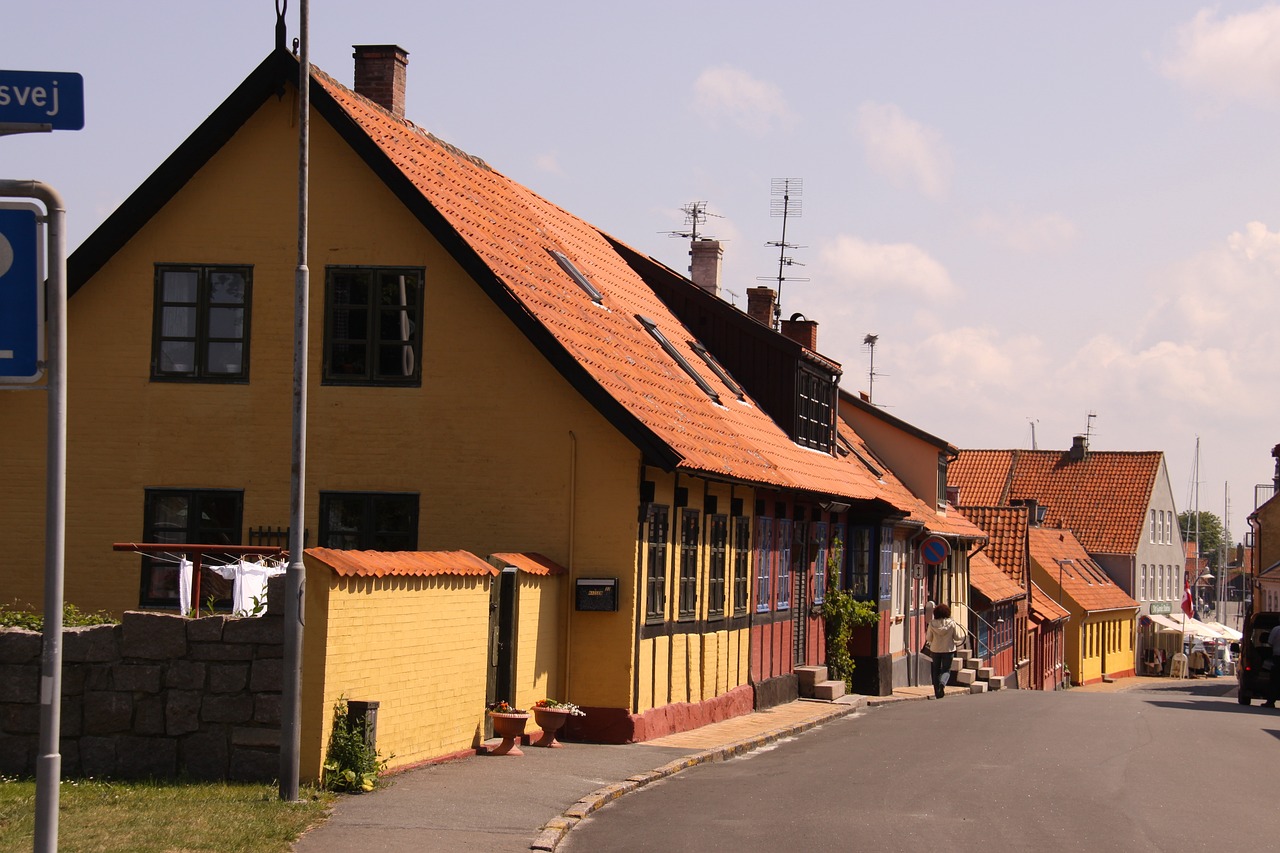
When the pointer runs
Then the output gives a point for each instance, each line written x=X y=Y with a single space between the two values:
x=934 y=550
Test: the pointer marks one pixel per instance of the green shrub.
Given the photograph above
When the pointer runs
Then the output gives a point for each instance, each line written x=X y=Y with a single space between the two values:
x=11 y=616
x=350 y=764
x=843 y=613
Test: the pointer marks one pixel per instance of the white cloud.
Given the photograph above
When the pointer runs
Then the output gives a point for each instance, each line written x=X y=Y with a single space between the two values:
x=1233 y=58
x=1031 y=235
x=548 y=162
x=903 y=150
x=735 y=96
x=868 y=268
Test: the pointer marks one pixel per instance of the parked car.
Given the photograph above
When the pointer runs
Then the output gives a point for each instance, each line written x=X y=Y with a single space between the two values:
x=1253 y=652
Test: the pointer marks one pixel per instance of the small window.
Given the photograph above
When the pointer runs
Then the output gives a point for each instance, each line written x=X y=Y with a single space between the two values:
x=764 y=561
x=201 y=325
x=942 y=481
x=819 y=562
x=656 y=559
x=652 y=328
x=718 y=369
x=373 y=329
x=815 y=407
x=369 y=521
x=741 y=563
x=719 y=530
x=689 y=530
x=190 y=517
x=860 y=562
x=578 y=278
x=783 y=563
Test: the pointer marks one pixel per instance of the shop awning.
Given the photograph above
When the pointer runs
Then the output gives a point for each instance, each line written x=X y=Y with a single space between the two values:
x=1186 y=625
x=1225 y=630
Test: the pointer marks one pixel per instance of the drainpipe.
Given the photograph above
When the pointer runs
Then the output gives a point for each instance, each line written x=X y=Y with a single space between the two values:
x=568 y=597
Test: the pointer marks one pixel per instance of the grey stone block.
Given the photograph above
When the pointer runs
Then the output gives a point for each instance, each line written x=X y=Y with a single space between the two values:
x=226 y=708
x=965 y=677
x=266 y=708
x=153 y=636
x=107 y=711
x=94 y=644
x=148 y=716
x=276 y=590
x=20 y=718
x=69 y=749
x=73 y=678
x=97 y=676
x=259 y=629
x=267 y=675
x=98 y=757
x=185 y=675
x=19 y=682
x=18 y=645
x=985 y=673
x=205 y=756
x=228 y=677
x=978 y=687
x=182 y=712
x=829 y=690
x=72 y=721
x=206 y=629
x=146 y=757
x=136 y=677
x=18 y=754
x=220 y=651
x=254 y=765
x=255 y=736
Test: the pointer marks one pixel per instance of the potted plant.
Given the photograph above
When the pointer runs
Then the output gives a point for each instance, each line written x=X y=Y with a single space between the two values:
x=551 y=715
x=508 y=724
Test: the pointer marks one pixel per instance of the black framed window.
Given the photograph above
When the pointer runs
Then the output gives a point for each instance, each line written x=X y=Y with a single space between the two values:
x=859 y=562
x=782 y=597
x=189 y=517
x=719 y=554
x=815 y=407
x=373 y=326
x=369 y=521
x=689 y=528
x=655 y=608
x=765 y=552
x=200 y=331
x=885 y=590
x=741 y=563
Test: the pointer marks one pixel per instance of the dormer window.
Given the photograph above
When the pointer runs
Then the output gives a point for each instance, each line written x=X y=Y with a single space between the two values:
x=815 y=407
x=578 y=278
x=652 y=328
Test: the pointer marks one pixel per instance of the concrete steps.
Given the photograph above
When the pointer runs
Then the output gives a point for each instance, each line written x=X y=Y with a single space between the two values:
x=814 y=683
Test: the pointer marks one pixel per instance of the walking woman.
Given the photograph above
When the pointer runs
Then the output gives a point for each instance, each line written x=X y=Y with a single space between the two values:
x=943 y=638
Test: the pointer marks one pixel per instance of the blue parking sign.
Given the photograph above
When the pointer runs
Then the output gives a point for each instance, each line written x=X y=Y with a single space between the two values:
x=21 y=295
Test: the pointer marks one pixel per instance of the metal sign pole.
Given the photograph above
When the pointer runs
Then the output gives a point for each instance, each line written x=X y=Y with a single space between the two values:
x=49 y=760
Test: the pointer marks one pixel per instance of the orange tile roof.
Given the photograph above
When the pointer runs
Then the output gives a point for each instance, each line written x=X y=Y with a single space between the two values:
x=1006 y=529
x=1103 y=498
x=1061 y=555
x=400 y=563
x=987 y=578
x=531 y=563
x=508 y=233
x=1044 y=608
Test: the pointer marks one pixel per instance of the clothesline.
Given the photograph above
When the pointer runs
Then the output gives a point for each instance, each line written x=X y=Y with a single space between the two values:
x=194 y=555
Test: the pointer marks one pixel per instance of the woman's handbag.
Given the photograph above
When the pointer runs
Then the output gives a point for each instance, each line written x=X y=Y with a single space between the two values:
x=926 y=651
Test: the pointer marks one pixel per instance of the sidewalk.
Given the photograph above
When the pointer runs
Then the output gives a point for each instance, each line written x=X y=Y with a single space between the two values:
x=506 y=804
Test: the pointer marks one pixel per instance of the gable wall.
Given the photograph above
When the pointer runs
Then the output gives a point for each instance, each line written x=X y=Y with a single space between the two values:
x=914 y=462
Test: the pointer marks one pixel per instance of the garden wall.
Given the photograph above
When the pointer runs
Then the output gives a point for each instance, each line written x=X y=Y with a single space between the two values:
x=157 y=696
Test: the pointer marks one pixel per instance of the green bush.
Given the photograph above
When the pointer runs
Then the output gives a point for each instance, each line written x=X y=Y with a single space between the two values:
x=11 y=616
x=350 y=764
x=843 y=613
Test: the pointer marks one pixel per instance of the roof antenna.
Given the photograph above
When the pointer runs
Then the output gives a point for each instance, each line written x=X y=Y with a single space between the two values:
x=786 y=203
x=695 y=213
x=870 y=342
x=282 y=6
x=1033 y=422
x=1088 y=428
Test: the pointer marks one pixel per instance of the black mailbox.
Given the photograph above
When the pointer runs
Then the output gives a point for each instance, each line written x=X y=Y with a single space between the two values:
x=599 y=594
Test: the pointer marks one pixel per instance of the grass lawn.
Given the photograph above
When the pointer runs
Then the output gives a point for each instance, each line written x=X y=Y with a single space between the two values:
x=141 y=817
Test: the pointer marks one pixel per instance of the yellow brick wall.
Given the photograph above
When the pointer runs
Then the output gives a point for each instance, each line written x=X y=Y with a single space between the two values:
x=540 y=639
x=417 y=645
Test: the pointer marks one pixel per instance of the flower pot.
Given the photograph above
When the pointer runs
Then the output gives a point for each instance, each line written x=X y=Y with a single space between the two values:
x=509 y=727
x=550 y=720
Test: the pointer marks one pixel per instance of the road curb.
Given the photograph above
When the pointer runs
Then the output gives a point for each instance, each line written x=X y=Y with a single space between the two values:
x=555 y=830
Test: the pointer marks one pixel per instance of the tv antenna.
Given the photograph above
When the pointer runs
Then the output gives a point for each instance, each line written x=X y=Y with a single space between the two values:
x=695 y=214
x=1088 y=427
x=1033 y=422
x=786 y=203
x=870 y=342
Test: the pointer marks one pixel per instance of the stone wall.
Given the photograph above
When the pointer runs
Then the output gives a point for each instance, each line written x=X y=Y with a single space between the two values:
x=157 y=696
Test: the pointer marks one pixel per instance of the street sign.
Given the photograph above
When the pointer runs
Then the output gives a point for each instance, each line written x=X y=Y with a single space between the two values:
x=21 y=295
x=41 y=100
x=934 y=550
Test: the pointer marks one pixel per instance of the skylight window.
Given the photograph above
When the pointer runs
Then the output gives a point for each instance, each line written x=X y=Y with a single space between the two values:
x=578 y=278
x=873 y=469
x=717 y=369
x=652 y=328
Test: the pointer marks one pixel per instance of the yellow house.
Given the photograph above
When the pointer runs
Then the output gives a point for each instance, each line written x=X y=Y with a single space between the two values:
x=1101 y=633
x=487 y=373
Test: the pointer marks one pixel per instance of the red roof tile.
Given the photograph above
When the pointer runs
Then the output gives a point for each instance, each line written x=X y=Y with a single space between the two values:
x=512 y=231
x=987 y=578
x=1006 y=529
x=531 y=563
x=1102 y=498
x=1044 y=608
x=400 y=563
x=1061 y=556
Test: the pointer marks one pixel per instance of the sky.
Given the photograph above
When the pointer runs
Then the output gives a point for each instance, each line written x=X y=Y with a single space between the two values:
x=1043 y=210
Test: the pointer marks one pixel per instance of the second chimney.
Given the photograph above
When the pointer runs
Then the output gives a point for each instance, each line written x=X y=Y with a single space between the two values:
x=802 y=330
x=1079 y=448
x=704 y=265
x=760 y=302
x=380 y=75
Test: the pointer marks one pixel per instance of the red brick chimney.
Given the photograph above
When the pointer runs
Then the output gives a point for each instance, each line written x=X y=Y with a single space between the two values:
x=704 y=266
x=802 y=330
x=760 y=302
x=380 y=75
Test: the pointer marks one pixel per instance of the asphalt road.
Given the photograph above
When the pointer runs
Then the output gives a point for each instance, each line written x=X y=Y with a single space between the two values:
x=1183 y=768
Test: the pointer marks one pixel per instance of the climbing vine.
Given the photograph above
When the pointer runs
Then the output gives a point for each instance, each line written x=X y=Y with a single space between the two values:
x=843 y=612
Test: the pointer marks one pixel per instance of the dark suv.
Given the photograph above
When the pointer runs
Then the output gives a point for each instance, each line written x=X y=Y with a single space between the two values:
x=1253 y=651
